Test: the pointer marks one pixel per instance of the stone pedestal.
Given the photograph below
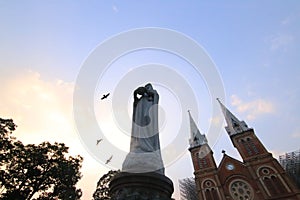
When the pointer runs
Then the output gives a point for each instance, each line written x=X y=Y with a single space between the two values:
x=141 y=186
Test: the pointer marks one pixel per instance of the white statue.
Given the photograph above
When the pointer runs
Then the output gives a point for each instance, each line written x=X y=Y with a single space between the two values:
x=144 y=155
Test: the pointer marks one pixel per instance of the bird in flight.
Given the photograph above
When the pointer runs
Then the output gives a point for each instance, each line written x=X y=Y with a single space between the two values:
x=105 y=96
x=98 y=141
x=108 y=160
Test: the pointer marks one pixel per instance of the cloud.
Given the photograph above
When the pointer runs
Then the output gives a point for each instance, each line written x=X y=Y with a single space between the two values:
x=43 y=109
x=280 y=41
x=115 y=8
x=43 y=112
x=285 y=21
x=215 y=121
x=254 y=108
x=277 y=153
x=296 y=133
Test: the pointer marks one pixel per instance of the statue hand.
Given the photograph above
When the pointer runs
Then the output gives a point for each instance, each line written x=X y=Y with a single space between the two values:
x=140 y=90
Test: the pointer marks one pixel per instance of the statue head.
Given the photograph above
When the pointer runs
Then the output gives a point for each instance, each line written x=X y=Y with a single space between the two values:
x=148 y=86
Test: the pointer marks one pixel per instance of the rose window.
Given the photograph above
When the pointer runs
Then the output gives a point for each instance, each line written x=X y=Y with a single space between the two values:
x=241 y=190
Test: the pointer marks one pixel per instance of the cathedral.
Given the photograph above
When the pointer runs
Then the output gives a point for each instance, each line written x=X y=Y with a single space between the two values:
x=258 y=177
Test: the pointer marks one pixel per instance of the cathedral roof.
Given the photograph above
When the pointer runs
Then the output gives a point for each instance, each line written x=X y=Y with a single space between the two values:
x=230 y=167
x=229 y=160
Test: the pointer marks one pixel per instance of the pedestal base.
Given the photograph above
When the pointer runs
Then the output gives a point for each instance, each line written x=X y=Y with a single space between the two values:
x=141 y=186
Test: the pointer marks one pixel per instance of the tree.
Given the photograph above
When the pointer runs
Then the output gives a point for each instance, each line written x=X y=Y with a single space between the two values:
x=7 y=126
x=102 y=190
x=42 y=171
x=188 y=189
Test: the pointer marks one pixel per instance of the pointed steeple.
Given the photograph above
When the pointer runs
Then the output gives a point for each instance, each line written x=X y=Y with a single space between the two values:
x=234 y=125
x=197 y=138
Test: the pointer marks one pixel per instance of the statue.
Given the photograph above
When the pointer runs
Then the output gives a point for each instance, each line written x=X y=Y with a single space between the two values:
x=144 y=155
x=142 y=175
x=145 y=120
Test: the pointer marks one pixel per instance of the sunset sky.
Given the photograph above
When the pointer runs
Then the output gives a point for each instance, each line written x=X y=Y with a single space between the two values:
x=45 y=46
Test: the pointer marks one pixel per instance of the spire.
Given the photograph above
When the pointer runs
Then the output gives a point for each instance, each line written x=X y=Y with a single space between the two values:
x=234 y=125
x=197 y=138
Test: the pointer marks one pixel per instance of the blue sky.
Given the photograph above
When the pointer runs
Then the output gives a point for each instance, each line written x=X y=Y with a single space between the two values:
x=254 y=45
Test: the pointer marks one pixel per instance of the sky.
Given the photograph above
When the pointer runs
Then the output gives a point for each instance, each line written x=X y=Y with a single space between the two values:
x=249 y=49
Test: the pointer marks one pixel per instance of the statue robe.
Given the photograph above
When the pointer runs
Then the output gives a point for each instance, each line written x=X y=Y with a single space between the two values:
x=145 y=124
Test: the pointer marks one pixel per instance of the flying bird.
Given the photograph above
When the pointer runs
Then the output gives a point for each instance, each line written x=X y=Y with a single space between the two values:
x=105 y=96
x=108 y=160
x=98 y=141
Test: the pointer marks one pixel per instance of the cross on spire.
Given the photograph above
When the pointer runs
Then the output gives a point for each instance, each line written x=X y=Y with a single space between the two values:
x=234 y=125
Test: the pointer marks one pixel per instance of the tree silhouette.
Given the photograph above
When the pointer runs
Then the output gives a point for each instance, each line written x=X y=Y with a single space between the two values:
x=188 y=189
x=42 y=171
x=102 y=190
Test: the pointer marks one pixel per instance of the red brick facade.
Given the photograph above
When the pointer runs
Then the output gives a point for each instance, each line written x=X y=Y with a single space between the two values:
x=258 y=177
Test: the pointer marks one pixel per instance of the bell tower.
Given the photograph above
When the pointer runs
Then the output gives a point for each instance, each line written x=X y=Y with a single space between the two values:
x=264 y=170
x=205 y=168
x=243 y=137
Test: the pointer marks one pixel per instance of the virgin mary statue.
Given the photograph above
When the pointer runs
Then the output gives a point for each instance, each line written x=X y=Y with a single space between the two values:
x=144 y=155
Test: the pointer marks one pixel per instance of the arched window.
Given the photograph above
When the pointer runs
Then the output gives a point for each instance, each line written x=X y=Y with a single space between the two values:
x=269 y=185
x=197 y=163
x=202 y=160
x=210 y=190
x=249 y=145
x=208 y=195
x=271 y=181
x=278 y=184
x=252 y=145
x=214 y=193
x=203 y=163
